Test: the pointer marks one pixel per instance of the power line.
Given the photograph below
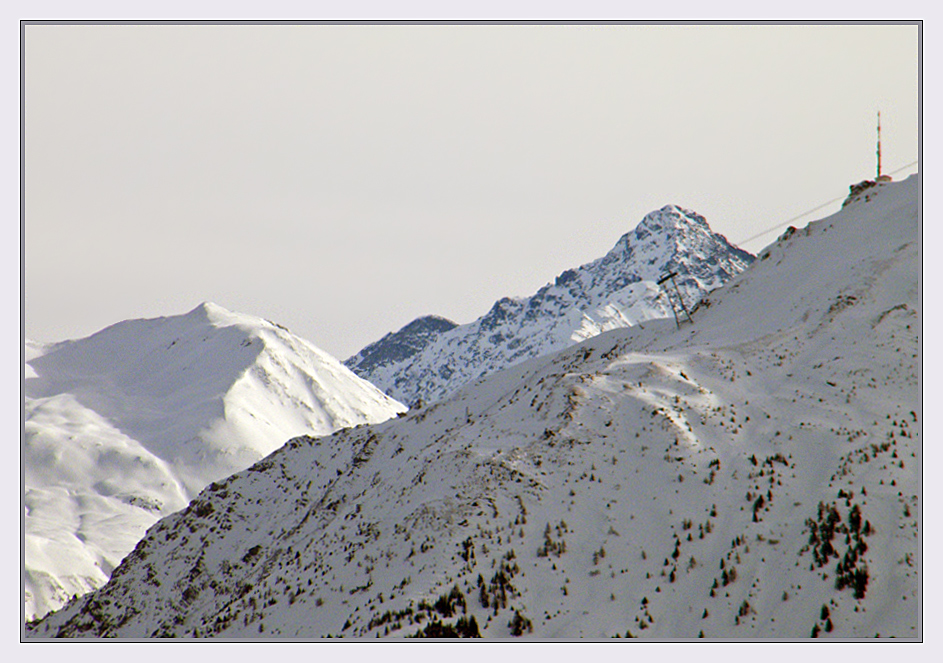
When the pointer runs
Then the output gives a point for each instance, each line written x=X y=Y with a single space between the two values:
x=814 y=209
x=780 y=225
x=894 y=172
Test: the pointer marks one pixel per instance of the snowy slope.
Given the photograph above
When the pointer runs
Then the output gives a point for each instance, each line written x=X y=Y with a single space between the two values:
x=129 y=424
x=618 y=290
x=752 y=475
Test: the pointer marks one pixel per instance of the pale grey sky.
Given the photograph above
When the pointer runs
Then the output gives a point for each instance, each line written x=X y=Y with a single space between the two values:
x=343 y=180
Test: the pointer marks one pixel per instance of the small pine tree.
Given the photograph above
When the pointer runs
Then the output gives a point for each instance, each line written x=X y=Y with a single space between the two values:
x=861 y=582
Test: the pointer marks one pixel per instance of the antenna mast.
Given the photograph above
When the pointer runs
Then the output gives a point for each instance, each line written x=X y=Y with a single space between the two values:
x=879 y=144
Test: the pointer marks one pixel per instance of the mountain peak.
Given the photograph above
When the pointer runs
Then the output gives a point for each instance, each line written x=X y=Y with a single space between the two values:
x=427 y=322
x=130 y=423
x=669 y=221
x=208 y=310
x=617 y=290
x=400 y=345
x=219 y=316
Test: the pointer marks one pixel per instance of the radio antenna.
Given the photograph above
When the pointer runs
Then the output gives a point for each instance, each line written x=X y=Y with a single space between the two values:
x=879 y=145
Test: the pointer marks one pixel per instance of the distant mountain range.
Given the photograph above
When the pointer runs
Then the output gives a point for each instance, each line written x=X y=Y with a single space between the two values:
x=431 y=357
x=129 y=424
x=755 y=474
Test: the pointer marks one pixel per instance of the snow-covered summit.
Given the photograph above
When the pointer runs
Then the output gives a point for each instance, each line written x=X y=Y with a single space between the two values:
x=617 y=290
x=133 y=421
x=669 y=239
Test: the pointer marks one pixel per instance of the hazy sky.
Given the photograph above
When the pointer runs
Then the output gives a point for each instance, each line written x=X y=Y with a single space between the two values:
x=343 y=180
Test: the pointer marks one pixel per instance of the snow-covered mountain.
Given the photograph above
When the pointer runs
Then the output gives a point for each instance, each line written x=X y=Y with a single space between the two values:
x=129 y=424
x=755 y=474
x=618 y=290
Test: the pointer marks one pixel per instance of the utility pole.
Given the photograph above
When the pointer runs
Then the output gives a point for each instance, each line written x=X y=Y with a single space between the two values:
x=674 y=309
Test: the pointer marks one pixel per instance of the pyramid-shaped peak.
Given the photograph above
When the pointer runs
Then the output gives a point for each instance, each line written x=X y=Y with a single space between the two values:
x=670 y=218
x=209 y=310
x=429 y=323
x=219 y=316
x=205 y=312
x=400 y=345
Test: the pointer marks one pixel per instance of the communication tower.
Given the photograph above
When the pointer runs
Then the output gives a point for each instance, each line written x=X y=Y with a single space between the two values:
x=879 y=145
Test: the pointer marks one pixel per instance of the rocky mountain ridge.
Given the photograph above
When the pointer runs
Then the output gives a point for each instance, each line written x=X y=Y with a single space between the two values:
x=618 y=290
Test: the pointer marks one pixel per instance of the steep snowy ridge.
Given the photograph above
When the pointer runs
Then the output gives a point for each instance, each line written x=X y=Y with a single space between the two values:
x=755 y=474
x=129 y=424
x=618 y=290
